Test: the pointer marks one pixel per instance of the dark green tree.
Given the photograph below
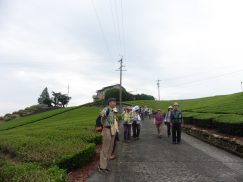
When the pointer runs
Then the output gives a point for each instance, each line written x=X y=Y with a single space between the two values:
x=55 y=98
x=45 y=98
x=60 y=99
x=126 y=96
x=64 y=99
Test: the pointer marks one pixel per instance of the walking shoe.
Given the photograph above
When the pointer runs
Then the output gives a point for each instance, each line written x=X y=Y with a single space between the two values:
x=102 y=171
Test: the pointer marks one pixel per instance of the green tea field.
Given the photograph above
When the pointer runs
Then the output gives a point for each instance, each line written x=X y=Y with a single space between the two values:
x=224 y=113
x=44 y=147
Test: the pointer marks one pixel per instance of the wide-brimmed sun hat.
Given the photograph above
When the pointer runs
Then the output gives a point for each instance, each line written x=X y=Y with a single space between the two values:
x=175 y=104
x=170 y=107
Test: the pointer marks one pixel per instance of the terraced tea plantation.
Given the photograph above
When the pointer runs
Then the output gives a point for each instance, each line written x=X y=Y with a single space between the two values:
x=44 y=147
x=224 y=113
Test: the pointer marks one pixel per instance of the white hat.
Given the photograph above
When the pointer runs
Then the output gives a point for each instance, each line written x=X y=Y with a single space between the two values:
x=136 y=108
x=170 y=107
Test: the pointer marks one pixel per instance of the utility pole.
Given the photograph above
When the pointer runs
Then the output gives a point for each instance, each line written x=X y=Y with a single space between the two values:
x=241 y=86
x=68 y=90
x=158 y=84
x=120 y=92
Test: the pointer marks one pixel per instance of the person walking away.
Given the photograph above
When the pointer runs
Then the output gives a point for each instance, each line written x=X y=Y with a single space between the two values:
x=168 y=120
x=150 y=113
x=136 y=125
x=108 y=136
x=141 y=112
x=127 y=123
x=115 y=146
x=146 y=111
x=176 y=120
x=159 y=118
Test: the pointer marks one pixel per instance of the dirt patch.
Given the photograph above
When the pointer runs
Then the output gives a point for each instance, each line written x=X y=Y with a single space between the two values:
x=82 y=174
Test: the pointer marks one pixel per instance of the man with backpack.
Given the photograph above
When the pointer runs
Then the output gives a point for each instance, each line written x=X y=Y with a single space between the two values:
x=158 y=121
x=108 y=134
x=176 y=120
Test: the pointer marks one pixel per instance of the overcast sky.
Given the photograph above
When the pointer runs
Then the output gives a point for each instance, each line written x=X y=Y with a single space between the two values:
x=194 y=47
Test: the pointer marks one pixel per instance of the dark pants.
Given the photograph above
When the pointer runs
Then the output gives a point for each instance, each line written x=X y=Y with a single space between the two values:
x=115 y=143
x=168 y=128
x=136 y=129
x=176 y=132
x=142 y=115
x=127 y=131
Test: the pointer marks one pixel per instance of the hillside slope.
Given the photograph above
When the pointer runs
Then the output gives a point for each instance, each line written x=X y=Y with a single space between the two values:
x=47 y=143
x=224 y=113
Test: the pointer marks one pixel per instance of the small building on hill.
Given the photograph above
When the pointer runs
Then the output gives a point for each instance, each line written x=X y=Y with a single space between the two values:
x=100 y=94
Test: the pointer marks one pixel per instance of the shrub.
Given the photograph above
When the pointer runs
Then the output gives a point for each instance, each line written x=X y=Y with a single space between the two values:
x=27 y=172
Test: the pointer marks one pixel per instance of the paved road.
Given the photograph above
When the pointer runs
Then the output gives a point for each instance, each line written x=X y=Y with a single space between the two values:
x=151 y=159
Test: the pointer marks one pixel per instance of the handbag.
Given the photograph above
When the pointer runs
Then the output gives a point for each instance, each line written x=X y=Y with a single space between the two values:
x=113 y=129
x=99 y=129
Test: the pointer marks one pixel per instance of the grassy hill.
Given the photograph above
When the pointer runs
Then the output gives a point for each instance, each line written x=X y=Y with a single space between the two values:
x=42 y=147
x=45 y=146
x=224 y=113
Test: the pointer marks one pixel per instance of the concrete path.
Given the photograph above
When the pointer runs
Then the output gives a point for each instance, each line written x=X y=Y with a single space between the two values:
x=151 y=159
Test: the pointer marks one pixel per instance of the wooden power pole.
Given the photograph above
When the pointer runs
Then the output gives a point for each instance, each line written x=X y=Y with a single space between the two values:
x=158 y=85
x=120 y=92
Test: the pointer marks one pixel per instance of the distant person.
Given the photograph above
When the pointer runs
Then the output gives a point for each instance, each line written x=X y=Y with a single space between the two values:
x=108 y=135
x=176 y=120
x=158 y=121
x=127 y=123
x=142 y=112
x=168 y=120
x=146 y=111
x=150 y=113
x=115 y=146
x=136 y=125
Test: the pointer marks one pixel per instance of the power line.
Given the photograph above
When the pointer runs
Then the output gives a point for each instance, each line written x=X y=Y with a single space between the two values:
x=123 y=28
x=207 y=78
x=118 y=25
x=101 y=28
x=114 y=25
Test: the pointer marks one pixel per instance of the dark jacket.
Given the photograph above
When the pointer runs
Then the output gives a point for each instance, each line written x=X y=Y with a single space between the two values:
x=176 y=117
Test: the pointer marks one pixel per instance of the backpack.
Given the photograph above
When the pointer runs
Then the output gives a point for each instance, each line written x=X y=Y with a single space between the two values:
x=99 y=126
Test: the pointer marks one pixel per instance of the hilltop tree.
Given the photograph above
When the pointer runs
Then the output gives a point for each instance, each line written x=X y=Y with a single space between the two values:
x=60 y=99
x=55 y=98
x=45 y=98
x=64 y=99
x=126 y=96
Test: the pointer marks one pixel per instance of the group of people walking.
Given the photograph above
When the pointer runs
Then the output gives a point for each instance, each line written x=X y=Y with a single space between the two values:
x=131 y=118
x=173 y=119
